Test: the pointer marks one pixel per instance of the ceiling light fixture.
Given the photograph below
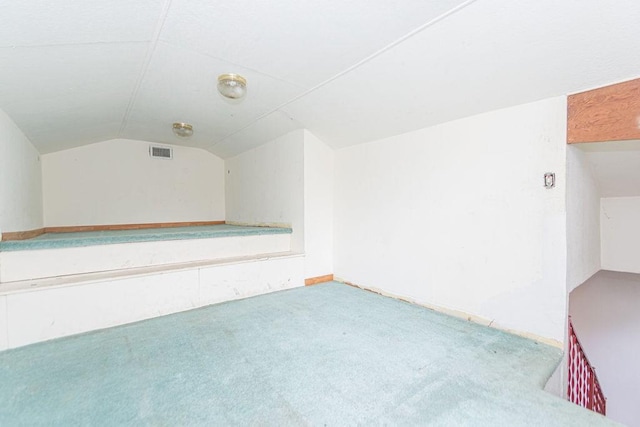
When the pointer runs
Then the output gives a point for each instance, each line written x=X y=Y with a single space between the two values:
x=183 y=130
x=232 y=86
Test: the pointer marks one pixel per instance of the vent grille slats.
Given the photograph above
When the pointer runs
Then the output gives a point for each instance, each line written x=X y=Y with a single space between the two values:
x=160 y=152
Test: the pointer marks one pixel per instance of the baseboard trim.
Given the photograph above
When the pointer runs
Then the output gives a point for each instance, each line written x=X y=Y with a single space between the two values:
x=23 y=235
x=319 y=279
x=459 y=314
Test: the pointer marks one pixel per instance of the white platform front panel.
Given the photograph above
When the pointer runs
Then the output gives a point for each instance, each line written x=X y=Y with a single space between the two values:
x=31 y=315
x=36 y=264
x=4 y=341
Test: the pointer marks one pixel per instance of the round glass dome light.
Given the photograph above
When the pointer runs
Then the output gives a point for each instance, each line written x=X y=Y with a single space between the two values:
x=183 y=130
x=232 y=86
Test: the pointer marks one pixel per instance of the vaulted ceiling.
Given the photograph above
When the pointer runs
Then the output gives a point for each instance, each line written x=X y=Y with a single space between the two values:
x=74 y=72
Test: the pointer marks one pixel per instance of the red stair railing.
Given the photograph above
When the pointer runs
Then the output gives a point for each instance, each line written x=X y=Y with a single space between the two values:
x=584 y=388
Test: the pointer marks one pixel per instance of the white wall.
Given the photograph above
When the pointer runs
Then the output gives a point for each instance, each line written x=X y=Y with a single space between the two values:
x=606 y=318
x=620 y=233
x=265 y=186
x=318 y=206
x=117 y=182
x=583 y=219
x=456 y=216
x=20 y=180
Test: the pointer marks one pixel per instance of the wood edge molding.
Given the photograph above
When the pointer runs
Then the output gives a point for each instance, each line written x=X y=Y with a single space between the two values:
x=22 y=235
x=319 y=279
x=113 y=227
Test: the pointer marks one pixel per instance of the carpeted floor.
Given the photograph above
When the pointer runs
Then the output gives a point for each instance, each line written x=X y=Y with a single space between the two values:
x=322 y=355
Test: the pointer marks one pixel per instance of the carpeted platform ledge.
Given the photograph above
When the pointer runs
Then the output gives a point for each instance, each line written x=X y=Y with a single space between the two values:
x=323 y=355
x=69 y=254
x=93 y=238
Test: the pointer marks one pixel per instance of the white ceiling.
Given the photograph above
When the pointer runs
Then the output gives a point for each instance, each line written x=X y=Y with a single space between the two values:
x=74 y=72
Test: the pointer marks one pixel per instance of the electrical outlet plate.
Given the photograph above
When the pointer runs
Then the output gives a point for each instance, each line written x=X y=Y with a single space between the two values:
x=549 y=180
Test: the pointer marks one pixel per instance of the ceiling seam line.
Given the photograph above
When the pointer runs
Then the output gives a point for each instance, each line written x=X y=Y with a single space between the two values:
x=145 y=66
x=358 y=64
x=300 y=86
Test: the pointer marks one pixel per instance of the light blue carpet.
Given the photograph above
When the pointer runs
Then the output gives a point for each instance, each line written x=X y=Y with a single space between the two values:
x=92 y=238
x=323 y=355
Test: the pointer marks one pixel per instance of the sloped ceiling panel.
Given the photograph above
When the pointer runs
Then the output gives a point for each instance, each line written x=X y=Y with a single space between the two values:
x=69 y=95
x=47 y=23
x=267 y=128
x=180 y=86
x=492 y=54
x=77 y=72
x=69 y=67
x=303 y=42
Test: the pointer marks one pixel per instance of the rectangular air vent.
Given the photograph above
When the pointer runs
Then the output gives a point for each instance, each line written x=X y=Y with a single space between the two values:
x=160 y=152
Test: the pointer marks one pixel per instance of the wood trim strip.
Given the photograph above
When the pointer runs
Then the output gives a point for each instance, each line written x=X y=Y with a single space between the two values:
x=22 y=235
x=319 y=279
x=112 y=227
x=609 y=113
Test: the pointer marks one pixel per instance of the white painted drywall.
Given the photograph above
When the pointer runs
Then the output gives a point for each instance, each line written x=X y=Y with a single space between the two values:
x=4 y=338
x=606 y=318
x=620 y=233
x=265 y=186
x=583 y=218
x=318 y=206
x=456 y=216
x=20 y=179
x=117 y=182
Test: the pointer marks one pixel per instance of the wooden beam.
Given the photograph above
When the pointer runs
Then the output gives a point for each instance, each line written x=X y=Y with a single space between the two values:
x=319 y=279
x=610 y=113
